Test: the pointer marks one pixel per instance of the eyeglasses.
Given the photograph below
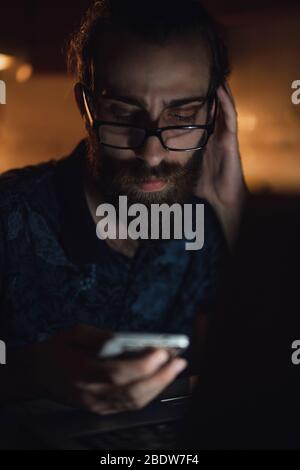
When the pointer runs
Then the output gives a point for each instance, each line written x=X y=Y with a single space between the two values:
x=173 y=138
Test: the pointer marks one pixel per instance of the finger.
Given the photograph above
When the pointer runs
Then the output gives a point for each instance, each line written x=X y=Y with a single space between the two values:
x=109 y=399
x=124 y=371
x=101 y=399
x=93 y=403
x=144 y=391
x=228 y=90
x=96 y=388
x=103 y=410
x=112 y=404
x=137 y=394
x=228 y=110
x=94 y=373
x=105 y=407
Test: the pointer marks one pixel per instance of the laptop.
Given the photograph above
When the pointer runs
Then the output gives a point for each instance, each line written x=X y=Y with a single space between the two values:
x=249 y=394
x=50 y=425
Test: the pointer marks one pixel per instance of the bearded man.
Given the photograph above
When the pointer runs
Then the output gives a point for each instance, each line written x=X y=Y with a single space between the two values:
x=150 y=84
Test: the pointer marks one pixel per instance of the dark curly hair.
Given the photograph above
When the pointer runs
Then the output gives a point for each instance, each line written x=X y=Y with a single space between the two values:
x=151 y=20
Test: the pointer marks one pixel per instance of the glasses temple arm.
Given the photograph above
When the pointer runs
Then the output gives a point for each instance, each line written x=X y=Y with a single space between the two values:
x=88 y=112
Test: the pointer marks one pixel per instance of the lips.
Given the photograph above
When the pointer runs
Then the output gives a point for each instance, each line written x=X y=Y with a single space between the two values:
x=153 y=185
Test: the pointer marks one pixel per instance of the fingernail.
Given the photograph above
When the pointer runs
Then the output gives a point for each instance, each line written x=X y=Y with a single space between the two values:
x=180 y=364
x=161 y=357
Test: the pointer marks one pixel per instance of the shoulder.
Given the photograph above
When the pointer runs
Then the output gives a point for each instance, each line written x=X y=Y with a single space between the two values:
x=35 y=185
x=25 y=183
x=25 y=194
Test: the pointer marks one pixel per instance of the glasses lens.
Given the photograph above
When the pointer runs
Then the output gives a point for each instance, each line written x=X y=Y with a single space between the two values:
x=184 y=139
x=121 y=136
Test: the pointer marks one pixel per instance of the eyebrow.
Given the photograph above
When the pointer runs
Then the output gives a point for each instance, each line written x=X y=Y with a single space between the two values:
x=171 y=104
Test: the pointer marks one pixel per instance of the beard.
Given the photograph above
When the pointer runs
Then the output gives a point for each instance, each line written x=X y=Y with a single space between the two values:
x=115 y=177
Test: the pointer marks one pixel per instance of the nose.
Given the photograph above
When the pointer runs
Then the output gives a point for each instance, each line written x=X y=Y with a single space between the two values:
x=153 y=152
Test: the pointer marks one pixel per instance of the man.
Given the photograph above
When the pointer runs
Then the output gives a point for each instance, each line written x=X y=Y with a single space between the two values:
x=138 y=68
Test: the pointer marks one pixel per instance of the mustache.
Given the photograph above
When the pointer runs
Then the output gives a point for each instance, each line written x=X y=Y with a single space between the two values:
x=138 y=171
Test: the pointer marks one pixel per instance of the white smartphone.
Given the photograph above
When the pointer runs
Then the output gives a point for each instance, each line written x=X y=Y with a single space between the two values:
x=136 y=343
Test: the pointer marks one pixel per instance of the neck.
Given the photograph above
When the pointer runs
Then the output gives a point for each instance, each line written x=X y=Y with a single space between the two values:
x=94 y=198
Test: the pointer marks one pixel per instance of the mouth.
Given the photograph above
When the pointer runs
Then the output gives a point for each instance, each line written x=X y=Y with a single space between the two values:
x=152 y=185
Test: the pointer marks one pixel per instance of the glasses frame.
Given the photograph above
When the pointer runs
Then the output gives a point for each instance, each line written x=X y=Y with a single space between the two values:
x=157 y=132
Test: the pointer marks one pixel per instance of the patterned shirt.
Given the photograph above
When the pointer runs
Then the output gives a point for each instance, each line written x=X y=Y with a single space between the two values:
x=55 y=272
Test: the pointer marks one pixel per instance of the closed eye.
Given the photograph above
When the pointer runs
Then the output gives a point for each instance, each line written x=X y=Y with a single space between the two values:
x=185 y=115
x=185 y=118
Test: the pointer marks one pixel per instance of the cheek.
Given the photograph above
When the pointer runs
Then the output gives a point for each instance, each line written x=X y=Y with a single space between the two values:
x=116 y=154
x=179 y=158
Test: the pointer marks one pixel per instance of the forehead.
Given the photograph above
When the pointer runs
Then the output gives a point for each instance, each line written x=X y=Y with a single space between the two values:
x=126 y=63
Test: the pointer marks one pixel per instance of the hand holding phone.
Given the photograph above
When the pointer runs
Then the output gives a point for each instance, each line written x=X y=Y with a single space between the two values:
x=69 y=371
x=134 y=344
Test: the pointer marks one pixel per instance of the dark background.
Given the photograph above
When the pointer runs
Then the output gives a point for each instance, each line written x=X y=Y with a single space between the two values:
x=39 y=29
x=40 y=120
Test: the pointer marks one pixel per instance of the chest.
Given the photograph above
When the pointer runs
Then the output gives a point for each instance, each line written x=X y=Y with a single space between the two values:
x=157 y=292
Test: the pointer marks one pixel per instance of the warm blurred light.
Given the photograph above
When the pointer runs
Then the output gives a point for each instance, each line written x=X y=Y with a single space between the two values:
x=24 y=73
x=6 y=61
x=247 y=123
